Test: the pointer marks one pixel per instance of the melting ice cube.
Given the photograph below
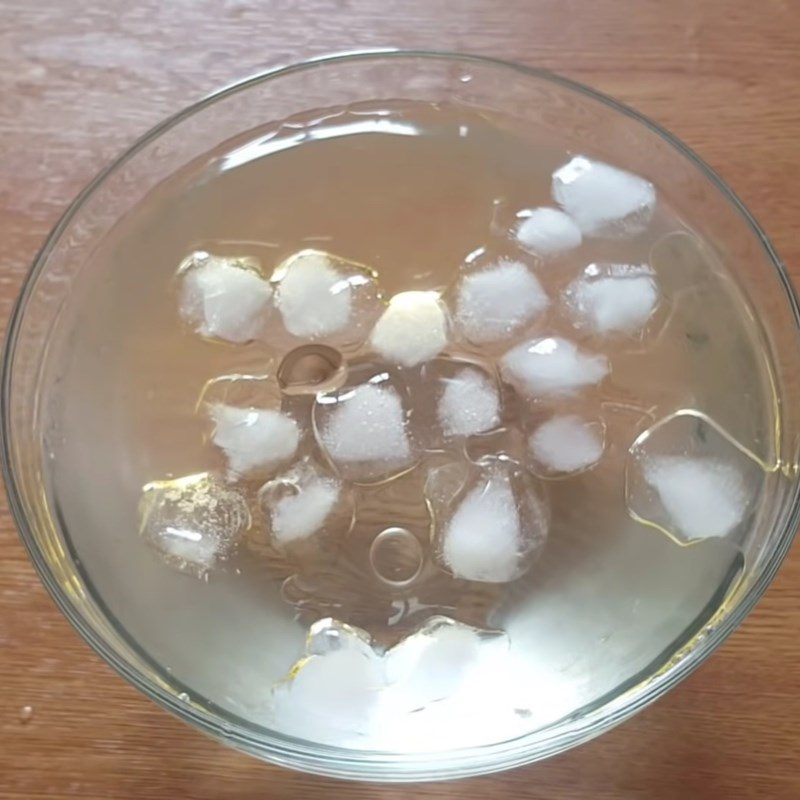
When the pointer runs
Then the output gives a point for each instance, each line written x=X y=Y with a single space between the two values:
x=705 y=497
x=363 y=429
x=482 y=540
x=603 y=200
x=254 y=439
x=551 y=366
x=334 y=689
x=547 y=232
x=304 y=501
x=193 y=522
x=497 y=302
x=689 y=477
x=322 y=296
x=611 y=298
x=490 y=522
x=567 y=443
x=469 y=403
x=432 y=663
x=224 y=298
x=345 y=688
x=413 y=329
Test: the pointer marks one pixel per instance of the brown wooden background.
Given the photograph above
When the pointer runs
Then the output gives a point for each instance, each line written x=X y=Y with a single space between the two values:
x=79 y=80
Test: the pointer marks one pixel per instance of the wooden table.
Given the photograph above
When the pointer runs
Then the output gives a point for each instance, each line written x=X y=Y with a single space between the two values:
x=77 y=85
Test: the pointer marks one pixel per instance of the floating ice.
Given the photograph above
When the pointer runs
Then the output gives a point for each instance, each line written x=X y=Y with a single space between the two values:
x=608 y=298
x=482 y=540
x=334 y=689
x=413 y=329
x=300 y=503
x=497 y=302
x=363 y=429
x=253 y=439
x=193 y=522
x=300 y=515
x=490 y=522
x=548 y=232
x=567 y=443
x=551 y=366
x=704 y=496
x=603 y=200
x=469 y=404
x=223 y=298
x=689 y=477
x=313 y=297
x=429 y=665
x=345 y=688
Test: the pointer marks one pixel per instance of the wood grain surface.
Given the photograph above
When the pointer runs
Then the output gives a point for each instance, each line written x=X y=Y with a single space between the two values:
x=79 y=81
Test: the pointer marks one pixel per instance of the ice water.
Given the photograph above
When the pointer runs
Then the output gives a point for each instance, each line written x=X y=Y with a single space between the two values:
x=401 y=427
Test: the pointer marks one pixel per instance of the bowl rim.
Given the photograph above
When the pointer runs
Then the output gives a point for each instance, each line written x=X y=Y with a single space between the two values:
x=373 y=765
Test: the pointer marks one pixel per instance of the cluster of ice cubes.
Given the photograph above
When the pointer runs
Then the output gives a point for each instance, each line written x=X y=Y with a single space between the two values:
x=425 y=373
x=231 y=300
x=429 y=385
x=346 y=685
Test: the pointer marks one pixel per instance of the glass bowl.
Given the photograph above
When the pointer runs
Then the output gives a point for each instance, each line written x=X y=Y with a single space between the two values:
x=38 y=356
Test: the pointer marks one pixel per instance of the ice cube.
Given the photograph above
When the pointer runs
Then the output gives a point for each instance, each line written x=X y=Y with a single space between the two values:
x=253 y=439
x=303 y=502
x=321 y=296
x=224 y=298
x=193 y=522
x=551 y=366
x=603 y=200
x=332 y=636
x=705 y=497
x=413 y=329
x=689 y=477
x=469 y=404
x=612 y=298
x=547 y=232
x=333 y=690
x=482 y=540
x=498 y=302
x=345 y=688
x=430 y=664
x=566 y=443
x=312 y=297
x=490 y=522
x=363 y=429
x=452 y=398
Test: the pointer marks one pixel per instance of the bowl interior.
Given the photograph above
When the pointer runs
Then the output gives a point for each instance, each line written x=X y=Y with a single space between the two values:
x=599 y=636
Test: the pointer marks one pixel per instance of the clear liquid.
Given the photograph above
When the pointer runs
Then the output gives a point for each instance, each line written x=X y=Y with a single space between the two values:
x=609 y=602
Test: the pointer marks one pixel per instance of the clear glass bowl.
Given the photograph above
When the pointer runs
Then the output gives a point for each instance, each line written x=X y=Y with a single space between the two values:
x=30 y=397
